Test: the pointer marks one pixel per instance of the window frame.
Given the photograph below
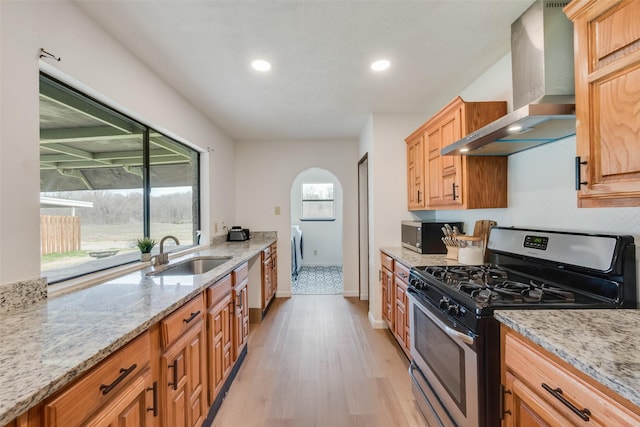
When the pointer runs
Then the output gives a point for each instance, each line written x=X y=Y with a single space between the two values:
x=303 y=200
x=146 y=185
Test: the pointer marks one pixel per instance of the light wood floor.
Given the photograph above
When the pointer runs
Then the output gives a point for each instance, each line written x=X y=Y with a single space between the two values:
x=315 y=361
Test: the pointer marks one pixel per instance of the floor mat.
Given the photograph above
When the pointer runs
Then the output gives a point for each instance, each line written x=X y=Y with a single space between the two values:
x=318 y=280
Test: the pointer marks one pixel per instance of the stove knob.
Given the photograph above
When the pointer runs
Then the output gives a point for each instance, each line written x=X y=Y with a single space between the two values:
x=415 y=283
x=444 y=303
x=453 y=309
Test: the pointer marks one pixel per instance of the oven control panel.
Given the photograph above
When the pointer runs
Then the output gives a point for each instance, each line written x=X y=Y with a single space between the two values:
x=536 y=242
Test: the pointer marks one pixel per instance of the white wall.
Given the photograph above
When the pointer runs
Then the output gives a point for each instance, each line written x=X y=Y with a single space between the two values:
x=322 y=240
x=265 y=172
x=91 y=61
x=383 y=138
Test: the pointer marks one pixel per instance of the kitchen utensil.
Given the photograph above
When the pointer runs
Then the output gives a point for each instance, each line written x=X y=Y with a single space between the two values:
x=482 y=229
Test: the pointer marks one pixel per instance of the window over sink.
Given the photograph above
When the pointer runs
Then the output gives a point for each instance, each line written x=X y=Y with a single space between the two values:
x=105 y=181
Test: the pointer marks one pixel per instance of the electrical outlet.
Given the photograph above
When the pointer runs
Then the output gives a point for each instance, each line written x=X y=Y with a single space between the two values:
x=277 y=210
x=315 y=252
x=215 y=227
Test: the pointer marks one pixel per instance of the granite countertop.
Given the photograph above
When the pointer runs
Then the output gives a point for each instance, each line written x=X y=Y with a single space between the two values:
x=413 y=259
x=49 y=343
x=604 y=344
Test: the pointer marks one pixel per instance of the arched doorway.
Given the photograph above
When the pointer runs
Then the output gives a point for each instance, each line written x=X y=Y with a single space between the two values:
x=316 y=233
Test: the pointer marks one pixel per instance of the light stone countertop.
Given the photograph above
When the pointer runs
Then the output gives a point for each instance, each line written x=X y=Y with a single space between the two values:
x=414 y=259
x=48 y=344
x=604 y=344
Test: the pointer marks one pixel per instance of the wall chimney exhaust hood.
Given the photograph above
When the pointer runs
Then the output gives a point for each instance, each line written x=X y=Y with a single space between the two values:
x=543 y=87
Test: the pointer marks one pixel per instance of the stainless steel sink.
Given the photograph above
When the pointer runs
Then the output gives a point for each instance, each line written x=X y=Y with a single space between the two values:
x=192 y=267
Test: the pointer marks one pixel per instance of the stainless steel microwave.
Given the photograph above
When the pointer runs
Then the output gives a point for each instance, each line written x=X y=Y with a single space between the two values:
x=425 y=237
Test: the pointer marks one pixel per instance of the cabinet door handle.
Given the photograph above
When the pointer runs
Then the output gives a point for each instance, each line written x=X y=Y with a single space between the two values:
x=453 y=187
x=174 y=366
x=579 y=182
x=503 y=392
x=106 y=388
x=419 y=201
x=193 y=316
x=239 y=301
x=154 y=388
x=557 y=393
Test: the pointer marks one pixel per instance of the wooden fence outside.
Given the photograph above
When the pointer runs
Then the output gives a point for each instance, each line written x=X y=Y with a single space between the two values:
x=59 y=234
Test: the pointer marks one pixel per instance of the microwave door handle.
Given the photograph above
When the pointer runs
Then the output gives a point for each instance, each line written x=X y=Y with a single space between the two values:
x=450 y=331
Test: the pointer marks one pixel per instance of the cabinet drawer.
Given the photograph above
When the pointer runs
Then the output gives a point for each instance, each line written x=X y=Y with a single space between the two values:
x=78 y=402
x=387 y=261
x=174 y=325
x=218 y=291
x=402 y=272
x=534 y=368
x=240 y=273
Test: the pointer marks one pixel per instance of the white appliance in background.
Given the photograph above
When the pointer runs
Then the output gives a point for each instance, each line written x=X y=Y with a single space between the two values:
x=296 y=250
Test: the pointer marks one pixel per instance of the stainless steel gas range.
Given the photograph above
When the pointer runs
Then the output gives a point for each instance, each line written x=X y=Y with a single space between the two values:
x=455 y=341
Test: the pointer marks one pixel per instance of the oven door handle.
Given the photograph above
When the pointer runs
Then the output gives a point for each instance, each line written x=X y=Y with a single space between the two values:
x=460 y=336
x=412 y=368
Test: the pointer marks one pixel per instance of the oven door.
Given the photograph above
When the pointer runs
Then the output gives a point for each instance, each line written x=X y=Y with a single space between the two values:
x=445 y=355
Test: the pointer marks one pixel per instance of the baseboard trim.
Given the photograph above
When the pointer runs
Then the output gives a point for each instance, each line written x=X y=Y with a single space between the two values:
x=350 y=293
x=377 y=324
x=283 y=294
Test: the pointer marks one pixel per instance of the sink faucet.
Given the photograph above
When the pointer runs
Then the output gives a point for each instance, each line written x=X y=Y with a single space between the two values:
x=163 y=258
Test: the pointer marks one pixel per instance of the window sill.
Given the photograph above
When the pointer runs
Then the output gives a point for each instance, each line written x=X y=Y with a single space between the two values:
x=98 y=277
x=317 y=219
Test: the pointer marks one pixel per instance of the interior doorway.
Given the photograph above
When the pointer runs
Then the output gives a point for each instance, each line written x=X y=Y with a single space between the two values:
x=316 y=233
x=363 y=226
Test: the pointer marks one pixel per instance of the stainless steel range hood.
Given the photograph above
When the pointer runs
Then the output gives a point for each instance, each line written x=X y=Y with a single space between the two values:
x=543 y=87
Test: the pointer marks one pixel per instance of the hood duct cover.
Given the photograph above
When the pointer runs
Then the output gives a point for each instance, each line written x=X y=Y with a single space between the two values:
x=543 y=87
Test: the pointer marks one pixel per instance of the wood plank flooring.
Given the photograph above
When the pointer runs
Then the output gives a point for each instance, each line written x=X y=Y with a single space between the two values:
x=315 y=361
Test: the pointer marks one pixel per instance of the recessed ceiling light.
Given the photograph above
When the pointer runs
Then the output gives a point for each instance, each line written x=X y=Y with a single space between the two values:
x=380 y=65
x=261 y=65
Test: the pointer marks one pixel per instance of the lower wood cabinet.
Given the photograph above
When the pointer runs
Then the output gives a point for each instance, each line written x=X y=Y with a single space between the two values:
x=119 y=388
x=539 y=389
x=269 y=259
x=183 y=366
x=172 y=374
x=388 y=295
x=401 y=327
x=240 y=309
x=220 y=322
x=132 y=407
x=395 y=302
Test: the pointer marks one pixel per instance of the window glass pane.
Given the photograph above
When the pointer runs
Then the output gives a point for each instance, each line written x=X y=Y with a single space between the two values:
x=174 y=190
x=90 y=182
x=317 y=191
x=317 y=210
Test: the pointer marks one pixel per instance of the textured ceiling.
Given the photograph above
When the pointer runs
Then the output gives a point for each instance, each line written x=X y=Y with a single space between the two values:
x=320 y=86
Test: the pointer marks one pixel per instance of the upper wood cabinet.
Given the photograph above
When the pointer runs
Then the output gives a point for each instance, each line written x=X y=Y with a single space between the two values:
x=607 y=75
x=456 y=182
x=415 y=172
